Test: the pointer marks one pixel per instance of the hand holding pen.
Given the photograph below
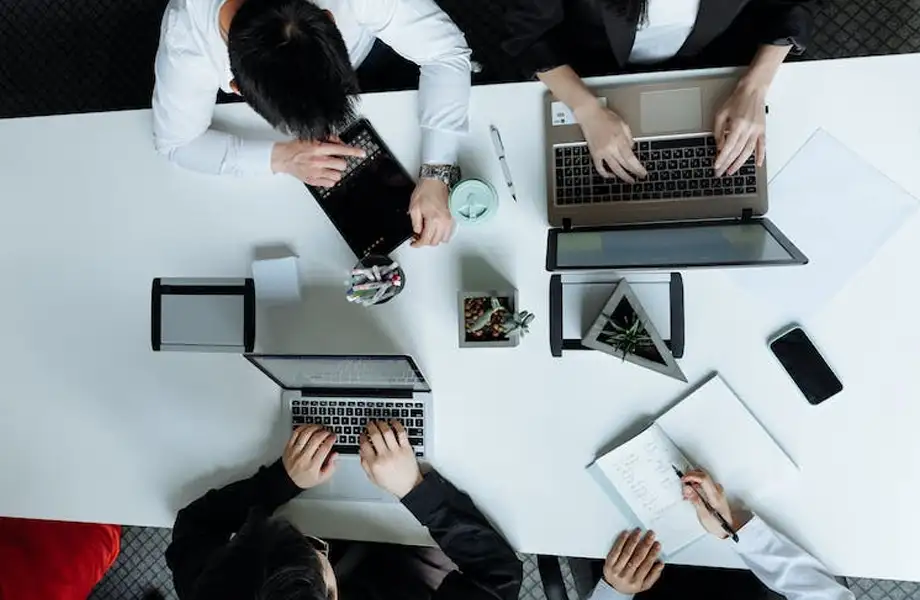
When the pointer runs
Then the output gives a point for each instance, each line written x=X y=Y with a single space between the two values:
x=711 y=504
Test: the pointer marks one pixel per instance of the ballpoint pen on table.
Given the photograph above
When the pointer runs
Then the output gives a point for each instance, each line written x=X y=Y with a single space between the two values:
x=500 y=151
x=712 y=511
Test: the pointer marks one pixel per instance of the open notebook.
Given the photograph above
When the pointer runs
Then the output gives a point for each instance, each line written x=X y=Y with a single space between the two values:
x=711 y=429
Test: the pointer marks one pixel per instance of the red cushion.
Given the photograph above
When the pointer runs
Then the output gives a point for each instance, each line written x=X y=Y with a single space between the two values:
x=54 y=560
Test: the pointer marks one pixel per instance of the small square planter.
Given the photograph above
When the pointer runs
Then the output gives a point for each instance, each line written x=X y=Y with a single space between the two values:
x=476 y=309
x=623 y=329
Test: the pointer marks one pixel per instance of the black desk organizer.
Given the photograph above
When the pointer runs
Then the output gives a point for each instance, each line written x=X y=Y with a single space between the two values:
x=559 y=344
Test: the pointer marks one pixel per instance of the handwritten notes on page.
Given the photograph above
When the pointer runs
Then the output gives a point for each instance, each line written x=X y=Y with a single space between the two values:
x=641 y=472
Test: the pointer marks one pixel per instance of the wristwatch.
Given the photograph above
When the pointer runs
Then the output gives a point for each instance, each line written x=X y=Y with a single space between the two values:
x=449 y=175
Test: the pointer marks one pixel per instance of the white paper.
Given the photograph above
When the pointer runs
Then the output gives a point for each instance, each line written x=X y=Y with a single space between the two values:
x=839 y=211
x=710 y=429
x=276 y=280
x=641 y=472
x=563 y=115
x=720 y=435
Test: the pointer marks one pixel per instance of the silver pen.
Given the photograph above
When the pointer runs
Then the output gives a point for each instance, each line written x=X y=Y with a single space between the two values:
x=500 y=151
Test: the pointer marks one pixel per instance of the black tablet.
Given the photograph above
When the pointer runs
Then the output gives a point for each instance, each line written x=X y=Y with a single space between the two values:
x=370 y=205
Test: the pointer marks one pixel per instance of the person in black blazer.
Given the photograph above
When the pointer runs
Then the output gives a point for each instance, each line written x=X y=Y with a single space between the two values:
x=557 y=39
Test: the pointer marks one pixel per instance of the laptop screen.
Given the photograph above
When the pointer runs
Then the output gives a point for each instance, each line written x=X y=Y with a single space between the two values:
x=342 y=372
x=673 y=245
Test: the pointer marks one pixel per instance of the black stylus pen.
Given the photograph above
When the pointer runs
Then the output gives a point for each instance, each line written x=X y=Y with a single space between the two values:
x=728 y=528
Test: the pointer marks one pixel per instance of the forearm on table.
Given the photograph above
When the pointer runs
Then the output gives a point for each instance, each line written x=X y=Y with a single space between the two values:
x=218 y=153
x=764 y=66
x=568 y=87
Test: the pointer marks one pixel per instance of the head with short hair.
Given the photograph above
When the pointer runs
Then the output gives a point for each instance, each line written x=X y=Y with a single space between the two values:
x=269 y=559
x=290 y=64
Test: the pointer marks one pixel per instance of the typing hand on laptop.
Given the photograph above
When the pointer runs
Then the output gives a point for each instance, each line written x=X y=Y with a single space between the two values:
x=388 y=458
x=610 y=141
x=308 y=458
x=742 y=124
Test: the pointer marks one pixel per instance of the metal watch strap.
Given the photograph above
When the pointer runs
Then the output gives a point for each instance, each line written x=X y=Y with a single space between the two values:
x=449 y=175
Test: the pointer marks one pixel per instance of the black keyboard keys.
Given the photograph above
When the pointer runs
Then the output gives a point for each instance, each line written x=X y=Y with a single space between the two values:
x=677 y=168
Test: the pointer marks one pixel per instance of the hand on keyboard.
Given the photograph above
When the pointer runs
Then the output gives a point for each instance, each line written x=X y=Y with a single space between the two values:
x=315 y=163
x=308 y=457
x=388 y=458
x=431 y=219
x=739 y=129
x=611 y=143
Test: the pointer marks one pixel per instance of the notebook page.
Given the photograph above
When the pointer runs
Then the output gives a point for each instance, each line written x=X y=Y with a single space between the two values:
x=640 y=471
x=719 y=434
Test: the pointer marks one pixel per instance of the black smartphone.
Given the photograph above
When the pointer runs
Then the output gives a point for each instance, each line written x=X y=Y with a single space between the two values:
x=805 y=365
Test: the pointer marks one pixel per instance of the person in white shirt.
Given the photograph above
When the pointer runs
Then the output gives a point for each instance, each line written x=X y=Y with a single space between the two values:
x=633 y=566
x=294 y=62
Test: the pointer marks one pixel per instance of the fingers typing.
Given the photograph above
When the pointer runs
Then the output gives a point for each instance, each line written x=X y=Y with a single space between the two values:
x=329 y=149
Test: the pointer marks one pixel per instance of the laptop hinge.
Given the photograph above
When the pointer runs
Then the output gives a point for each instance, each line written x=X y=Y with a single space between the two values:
x=357 y=392
x=747 y=214
x=567 y=224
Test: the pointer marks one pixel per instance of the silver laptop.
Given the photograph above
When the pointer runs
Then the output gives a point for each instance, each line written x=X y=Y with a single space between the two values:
x=681 y=215
x=672 y=127
x=343 y=393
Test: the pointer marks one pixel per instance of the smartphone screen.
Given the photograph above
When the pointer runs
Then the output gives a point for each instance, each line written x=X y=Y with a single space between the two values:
x=806 y=366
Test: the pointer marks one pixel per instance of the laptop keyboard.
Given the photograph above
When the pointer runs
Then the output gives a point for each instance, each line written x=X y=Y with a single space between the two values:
x=677 y=168
x=362 y=139
x=347 y=418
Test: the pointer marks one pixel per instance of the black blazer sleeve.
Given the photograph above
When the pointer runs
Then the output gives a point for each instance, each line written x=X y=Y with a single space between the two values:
x=785 y=22
x=533 y=34
x=207 y=524
x=488 y=567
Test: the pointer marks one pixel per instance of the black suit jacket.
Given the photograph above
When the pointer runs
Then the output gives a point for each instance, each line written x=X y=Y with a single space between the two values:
x=542 y=32
x=488 y=567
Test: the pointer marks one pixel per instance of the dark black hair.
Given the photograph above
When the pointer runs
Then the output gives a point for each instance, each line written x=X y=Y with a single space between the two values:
x=291 y=65
x=269 y=559
x=628 y=8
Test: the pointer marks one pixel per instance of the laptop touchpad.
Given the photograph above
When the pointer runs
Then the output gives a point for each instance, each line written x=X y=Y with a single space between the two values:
x=669 y=111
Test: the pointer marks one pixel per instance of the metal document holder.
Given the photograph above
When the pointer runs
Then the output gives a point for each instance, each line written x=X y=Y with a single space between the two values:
x=203 y=315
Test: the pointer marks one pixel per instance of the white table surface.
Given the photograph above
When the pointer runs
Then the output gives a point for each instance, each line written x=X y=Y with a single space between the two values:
x=96 y=427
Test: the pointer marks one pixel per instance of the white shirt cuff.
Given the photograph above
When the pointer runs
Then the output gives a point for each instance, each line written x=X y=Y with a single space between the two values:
x=439 y=147
x=753 y=536
x=604 y=591
x=254 y=157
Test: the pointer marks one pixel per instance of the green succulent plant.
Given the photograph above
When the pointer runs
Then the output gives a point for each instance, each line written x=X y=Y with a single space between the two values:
x=628 y=337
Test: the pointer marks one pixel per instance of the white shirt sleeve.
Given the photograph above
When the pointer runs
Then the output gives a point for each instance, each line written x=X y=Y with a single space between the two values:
x=784 y=567
x=604 y=591
x=419 y=31
x=184 y=96
x=778 y=562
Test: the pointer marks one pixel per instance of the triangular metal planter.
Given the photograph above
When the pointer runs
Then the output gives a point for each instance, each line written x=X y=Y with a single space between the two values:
x=623 y=291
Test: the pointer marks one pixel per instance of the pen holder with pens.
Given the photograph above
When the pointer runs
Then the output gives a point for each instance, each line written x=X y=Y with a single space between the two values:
x=375 y=280
x=473 y=201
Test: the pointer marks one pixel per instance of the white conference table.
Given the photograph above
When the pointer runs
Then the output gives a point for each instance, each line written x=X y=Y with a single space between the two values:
x=94 y=426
